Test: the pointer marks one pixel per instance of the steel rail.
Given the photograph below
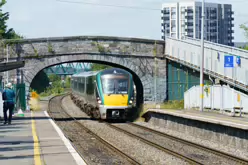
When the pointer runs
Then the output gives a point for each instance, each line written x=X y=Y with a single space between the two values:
x=110 y=146
x=204 y=148
x=166 y=150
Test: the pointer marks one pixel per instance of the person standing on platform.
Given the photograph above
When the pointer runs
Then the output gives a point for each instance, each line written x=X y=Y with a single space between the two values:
x=8 y=96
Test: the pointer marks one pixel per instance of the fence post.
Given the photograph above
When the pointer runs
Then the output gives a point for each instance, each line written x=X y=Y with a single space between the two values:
x=221 y=98
x=240 y=110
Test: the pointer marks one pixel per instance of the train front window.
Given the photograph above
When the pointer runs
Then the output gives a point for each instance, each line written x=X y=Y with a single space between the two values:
x=108 y=86
x=115 y=85
x=122 y=86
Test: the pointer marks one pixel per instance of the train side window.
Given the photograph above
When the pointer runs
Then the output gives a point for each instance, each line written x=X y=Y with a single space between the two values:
x=82 y=84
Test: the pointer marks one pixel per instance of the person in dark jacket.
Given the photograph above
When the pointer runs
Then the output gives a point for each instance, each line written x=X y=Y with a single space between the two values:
x=8 y=96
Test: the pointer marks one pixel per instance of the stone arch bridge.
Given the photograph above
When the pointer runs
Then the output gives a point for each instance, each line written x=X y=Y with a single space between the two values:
x=137 y=56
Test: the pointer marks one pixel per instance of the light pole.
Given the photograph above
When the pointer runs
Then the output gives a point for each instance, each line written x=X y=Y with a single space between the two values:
x=7 y=54
x=202 y=57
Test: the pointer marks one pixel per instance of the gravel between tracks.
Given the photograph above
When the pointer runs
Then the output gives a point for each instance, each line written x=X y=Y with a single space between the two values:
x=142 y=152
x=199 y=141
x=184 y=149
x=93 y=152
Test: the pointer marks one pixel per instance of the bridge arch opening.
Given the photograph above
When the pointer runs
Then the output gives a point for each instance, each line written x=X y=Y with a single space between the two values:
x=136 y=77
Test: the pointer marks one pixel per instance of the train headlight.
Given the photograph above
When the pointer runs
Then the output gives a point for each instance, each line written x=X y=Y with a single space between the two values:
x=131 y=101
x=99 y=101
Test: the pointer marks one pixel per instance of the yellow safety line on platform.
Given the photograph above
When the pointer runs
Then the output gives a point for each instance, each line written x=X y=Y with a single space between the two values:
x=37 y=158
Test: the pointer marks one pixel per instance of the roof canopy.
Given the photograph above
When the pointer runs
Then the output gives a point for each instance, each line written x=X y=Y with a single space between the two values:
x=11 y=65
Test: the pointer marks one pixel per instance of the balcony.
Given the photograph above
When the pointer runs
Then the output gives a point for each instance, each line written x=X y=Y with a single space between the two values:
x=165 y=24
x=213 y=24
x=165 y=12
x=165 y=31
x=213 y=11
x=213 y=31
x=190 y=11
x=213 y=17
x=189 y=30
x=213 y=37
x=165 y=18
x=189 y=17
x=230 y=31
x=189 y=24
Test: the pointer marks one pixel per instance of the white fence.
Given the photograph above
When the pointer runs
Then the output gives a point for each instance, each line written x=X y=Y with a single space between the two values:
x=217 y=97
x=189 y=50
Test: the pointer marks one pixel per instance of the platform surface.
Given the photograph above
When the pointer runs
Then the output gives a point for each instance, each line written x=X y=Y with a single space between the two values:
x=211 y=116
x=34 y=140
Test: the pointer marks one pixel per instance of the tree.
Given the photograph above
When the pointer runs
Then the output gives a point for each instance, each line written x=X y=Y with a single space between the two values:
x=96 y=67
x=54 y=78
x=245 y=28
x=6 y=33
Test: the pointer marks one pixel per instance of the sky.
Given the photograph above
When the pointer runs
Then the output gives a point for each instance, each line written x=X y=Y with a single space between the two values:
x=51 y=18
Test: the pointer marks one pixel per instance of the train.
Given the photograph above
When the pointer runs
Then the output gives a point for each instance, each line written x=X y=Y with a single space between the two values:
x=104 y=94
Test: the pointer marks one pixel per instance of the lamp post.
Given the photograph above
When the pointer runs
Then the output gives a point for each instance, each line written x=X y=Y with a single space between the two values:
x=7 y=54
x=202 y=57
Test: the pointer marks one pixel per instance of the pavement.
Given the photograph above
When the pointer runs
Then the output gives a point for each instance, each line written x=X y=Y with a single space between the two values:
x=35 y=140
x=211 y=116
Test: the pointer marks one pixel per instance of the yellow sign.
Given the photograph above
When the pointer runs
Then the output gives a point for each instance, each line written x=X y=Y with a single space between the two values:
x=238 y=97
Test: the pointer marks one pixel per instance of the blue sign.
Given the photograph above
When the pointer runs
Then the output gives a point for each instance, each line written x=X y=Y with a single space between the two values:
x=228 y=61
x=238 y=61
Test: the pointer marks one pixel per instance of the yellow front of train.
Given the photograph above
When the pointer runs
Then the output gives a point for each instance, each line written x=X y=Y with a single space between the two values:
x=115 y=89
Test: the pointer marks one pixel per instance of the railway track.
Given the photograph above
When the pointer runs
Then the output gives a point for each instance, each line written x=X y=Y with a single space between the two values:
x=57 y=101
x=166 y=150
x=226 y=156
x=204 y=148
x=188 y=158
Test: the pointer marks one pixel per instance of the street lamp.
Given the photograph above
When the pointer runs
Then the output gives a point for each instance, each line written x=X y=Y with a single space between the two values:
x=202 y=57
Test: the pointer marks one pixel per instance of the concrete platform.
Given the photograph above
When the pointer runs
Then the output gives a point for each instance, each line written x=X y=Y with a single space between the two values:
x=35 y=140
x=208 y=127
x=210 y=116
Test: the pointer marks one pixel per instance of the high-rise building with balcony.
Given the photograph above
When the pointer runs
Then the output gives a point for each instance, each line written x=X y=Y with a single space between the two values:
x=182 y=19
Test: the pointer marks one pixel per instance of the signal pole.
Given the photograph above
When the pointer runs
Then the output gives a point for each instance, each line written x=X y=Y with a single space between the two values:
x=202 y=57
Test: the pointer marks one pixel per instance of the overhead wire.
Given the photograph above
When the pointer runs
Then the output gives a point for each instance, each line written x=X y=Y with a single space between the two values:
x=107 y=5
x=131 y=7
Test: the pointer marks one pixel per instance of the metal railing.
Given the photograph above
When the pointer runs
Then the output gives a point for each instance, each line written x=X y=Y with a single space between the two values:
x=187 y=52
x=216 y=97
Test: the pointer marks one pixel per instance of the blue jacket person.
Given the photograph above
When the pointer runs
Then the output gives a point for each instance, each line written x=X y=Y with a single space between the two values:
x=8 y=96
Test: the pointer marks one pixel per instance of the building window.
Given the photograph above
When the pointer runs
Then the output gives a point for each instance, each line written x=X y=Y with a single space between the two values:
x=173 y=34
x=173 y=15
x=173 y=23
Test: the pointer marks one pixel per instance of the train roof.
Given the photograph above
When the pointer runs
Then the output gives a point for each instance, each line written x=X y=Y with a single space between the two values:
x=103 y=72
x=86 y=74
x=114 y=71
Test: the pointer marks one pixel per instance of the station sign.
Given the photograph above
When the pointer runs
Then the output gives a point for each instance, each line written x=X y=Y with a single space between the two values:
x=228 y=61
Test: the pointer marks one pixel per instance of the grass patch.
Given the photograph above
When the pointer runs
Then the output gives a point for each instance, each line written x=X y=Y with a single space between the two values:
x=175 y=104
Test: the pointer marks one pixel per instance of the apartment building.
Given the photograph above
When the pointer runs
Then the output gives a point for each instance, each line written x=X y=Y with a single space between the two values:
x=182 y=19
